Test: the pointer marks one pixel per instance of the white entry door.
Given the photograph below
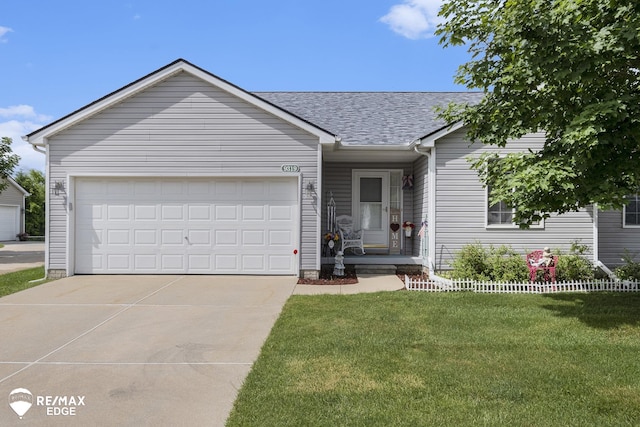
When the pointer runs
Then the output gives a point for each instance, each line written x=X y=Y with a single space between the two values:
x=371 y=206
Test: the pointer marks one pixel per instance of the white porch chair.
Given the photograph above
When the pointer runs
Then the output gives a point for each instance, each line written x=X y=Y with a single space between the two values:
x=349 y=237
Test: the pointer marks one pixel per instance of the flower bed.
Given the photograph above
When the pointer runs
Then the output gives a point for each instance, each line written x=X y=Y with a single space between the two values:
x=327 y=277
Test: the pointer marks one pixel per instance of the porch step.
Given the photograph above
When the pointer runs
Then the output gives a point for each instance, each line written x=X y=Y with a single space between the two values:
x=375 y=269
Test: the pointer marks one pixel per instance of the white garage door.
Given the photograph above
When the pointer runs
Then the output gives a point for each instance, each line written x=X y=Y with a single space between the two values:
x=9 y=222
x=192 y=226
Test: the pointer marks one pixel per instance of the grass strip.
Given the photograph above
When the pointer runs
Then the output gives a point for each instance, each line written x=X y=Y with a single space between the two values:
x=404 y=358
x=19 y=280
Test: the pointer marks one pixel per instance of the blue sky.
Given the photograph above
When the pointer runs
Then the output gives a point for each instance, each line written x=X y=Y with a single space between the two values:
x=58 y=56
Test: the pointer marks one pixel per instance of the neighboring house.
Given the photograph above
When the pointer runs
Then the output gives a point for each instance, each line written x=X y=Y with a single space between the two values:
x=181 y=172
x=12 y=206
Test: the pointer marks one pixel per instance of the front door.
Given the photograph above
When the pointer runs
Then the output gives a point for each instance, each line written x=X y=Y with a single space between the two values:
x=371 y=207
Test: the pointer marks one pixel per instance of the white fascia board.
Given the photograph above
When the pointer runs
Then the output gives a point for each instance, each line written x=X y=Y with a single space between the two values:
x=429 y=141
x=339 y=145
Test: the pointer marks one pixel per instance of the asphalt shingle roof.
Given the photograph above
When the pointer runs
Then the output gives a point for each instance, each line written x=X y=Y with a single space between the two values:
x=374 y=118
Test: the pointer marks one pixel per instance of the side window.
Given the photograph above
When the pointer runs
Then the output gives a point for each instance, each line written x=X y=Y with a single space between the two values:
x=631 y=211
x=498 y=213
x=501 y=215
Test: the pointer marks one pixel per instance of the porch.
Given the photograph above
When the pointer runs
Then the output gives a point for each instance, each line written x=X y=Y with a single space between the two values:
x=379 y=264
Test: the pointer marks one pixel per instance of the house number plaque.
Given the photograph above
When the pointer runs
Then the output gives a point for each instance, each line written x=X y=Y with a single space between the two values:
x=290 y=168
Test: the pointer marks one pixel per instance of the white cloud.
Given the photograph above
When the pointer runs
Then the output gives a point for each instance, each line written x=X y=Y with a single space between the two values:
x=3 y=31
x=21 y=120
x=414 y=19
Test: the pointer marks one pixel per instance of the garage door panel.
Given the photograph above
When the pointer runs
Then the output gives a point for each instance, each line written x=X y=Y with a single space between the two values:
x=146 y=237
x=172 y=188
x=172 y=262
x=119 y=262
x=199 y=237
x=186 y=225
x=172 y=212
x=280 y=213
x=253 y=263
x=253 y=213
x=118 y=213
x=119 y=237
x=226 y=237
x=145 y=262
x=253 y=237
x=199 y=213
x=172 y=237
x=145 y=213
x=200 y=263
x=280 y=262
x=225 y=263
x=226 y=212
x=280 y=237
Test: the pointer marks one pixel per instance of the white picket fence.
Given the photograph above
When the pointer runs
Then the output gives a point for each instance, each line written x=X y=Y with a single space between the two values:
x=440 y=284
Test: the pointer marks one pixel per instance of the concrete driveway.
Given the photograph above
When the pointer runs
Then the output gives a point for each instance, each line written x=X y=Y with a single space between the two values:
x=133 y=350
x=16 y=256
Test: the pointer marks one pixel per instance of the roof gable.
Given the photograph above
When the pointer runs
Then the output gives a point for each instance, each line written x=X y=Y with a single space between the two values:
x=12 y=182
x=38 y=137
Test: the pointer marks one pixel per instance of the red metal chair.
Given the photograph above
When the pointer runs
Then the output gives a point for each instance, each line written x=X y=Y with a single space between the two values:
x=533 y=262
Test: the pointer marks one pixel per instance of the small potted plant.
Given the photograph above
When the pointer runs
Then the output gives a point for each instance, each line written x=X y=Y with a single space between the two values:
x=22 y=236
x=408 y=227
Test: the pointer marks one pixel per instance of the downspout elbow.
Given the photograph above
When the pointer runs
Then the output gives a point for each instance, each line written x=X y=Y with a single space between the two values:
x=34 y=146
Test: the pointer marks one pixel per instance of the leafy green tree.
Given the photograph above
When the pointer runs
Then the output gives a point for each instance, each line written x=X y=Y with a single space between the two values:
x=568 y=68
x=8 y=161
x=34 y=182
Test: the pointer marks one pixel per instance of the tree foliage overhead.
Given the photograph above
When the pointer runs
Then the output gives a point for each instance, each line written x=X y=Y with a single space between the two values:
x=8 y=161
x=568 y=68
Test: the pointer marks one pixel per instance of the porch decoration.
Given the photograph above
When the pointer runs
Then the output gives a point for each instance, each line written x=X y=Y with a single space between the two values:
x=338 y=269
x=407 y=182
x=330 y=241
x=331 y=214
x=395 y=242
x=408 y=227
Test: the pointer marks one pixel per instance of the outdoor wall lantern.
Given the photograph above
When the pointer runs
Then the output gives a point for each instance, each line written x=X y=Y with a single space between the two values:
x=58 y=187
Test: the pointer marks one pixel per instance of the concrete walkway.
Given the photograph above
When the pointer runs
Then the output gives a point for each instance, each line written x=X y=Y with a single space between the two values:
x=366 y=283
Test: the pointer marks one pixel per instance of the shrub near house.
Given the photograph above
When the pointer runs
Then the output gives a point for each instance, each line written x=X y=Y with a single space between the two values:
x=503 y=264
x=495 y=264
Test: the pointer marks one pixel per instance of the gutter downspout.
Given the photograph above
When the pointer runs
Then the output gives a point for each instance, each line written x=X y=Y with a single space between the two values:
x=42 y=148
x=431 y=205
x=34 y=146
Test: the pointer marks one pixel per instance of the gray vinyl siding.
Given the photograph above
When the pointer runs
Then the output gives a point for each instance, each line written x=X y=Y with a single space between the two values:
x=337 y=179
x=613 y=239
x=182 y=126
x=461 y=206
x=12 y=196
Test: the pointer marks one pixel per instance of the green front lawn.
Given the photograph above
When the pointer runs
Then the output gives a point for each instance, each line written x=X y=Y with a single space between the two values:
x=19 y=280
x=423 y=359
